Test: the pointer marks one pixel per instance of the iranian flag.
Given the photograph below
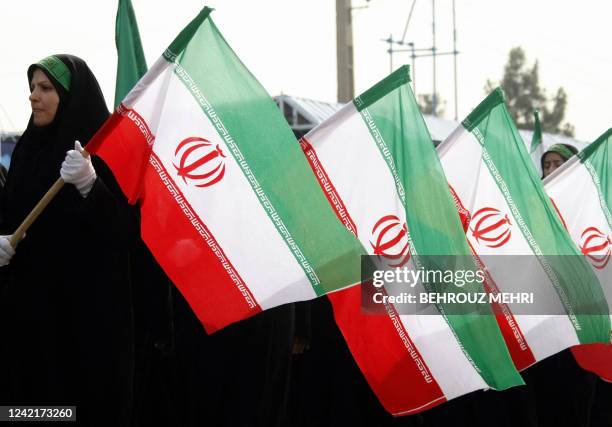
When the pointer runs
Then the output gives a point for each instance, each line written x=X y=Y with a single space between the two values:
x=505 y=211
x=229 y=206
x=581 y=190
x=376 y=163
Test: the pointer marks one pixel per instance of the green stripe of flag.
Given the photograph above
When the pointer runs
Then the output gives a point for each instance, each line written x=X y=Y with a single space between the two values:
x=265 y=148
x=131 y=63
x=509 y=163
x=394 y=80
x=597 y=158
x=391 y=113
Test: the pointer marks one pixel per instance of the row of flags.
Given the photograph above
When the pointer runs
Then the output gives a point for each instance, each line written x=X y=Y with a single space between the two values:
x=376 y=158
x=490 y=171
x=242 y=218
x=581 y=191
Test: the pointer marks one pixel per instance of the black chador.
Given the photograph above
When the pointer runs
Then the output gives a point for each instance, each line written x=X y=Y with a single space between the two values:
x=65 y=297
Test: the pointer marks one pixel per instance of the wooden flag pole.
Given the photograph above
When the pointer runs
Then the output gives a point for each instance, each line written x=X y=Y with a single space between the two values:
x=38 y=209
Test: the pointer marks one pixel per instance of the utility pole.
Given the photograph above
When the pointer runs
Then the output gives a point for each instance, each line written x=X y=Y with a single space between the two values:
x=434 y=95
x=455 y=59
x=344 y=51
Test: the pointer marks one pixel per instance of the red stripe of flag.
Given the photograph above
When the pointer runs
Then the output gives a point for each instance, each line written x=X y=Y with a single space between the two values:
x=175 y=234
x=124 y=143
x=190 y=255
x=399 y=377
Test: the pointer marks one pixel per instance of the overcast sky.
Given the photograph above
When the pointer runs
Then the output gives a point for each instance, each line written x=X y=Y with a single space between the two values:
x=289 y=45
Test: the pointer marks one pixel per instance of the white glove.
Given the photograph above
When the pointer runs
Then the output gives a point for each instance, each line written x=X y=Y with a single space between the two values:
x=78 y=170
x=6 y=250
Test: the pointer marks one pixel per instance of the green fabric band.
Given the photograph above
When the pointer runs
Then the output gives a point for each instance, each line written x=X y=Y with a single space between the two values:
x=560 y=149
x=54 y=66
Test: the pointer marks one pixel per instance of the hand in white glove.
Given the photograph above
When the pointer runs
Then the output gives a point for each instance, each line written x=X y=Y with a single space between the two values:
x=78 y=170
x=6 y=250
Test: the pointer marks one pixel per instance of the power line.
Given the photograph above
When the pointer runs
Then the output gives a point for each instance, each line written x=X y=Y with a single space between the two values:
x=408 y=20
x=425 y=52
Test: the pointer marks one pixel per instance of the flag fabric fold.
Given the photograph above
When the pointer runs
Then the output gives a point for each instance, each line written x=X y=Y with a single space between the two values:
x=581 y=190
x=536 y=138
x=131 y=63
x=536 y=150
x=375 y=161
x=506 y=212
x=229 y=207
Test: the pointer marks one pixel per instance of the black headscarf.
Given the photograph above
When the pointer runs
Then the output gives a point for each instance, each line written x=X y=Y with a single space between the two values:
x=39 y=153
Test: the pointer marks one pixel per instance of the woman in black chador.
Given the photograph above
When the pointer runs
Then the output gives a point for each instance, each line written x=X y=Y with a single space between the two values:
x=65 y=297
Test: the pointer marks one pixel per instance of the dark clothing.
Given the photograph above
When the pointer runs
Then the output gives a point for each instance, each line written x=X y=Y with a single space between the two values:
x=601 y=412
x=514 y=407
x=327 y=388
x=65 y=306
x=155 y=377
x=564 y=391
x=237 y=376
x=2 y=177
x=557 y=393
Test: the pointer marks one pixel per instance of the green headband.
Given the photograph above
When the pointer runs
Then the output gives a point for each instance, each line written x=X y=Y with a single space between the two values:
x=562 y=150
x=54 y=66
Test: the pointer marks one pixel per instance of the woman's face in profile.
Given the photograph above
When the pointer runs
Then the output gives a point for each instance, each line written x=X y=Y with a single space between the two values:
x=43 y=98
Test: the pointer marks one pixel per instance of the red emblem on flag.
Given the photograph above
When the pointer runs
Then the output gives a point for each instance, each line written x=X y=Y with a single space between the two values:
x=491 y=227
x=596 y=246
x=200 y=161
x=391 y=237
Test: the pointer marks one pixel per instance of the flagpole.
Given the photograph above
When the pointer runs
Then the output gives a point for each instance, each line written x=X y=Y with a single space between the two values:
x=35 y=213
x=38 y=209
